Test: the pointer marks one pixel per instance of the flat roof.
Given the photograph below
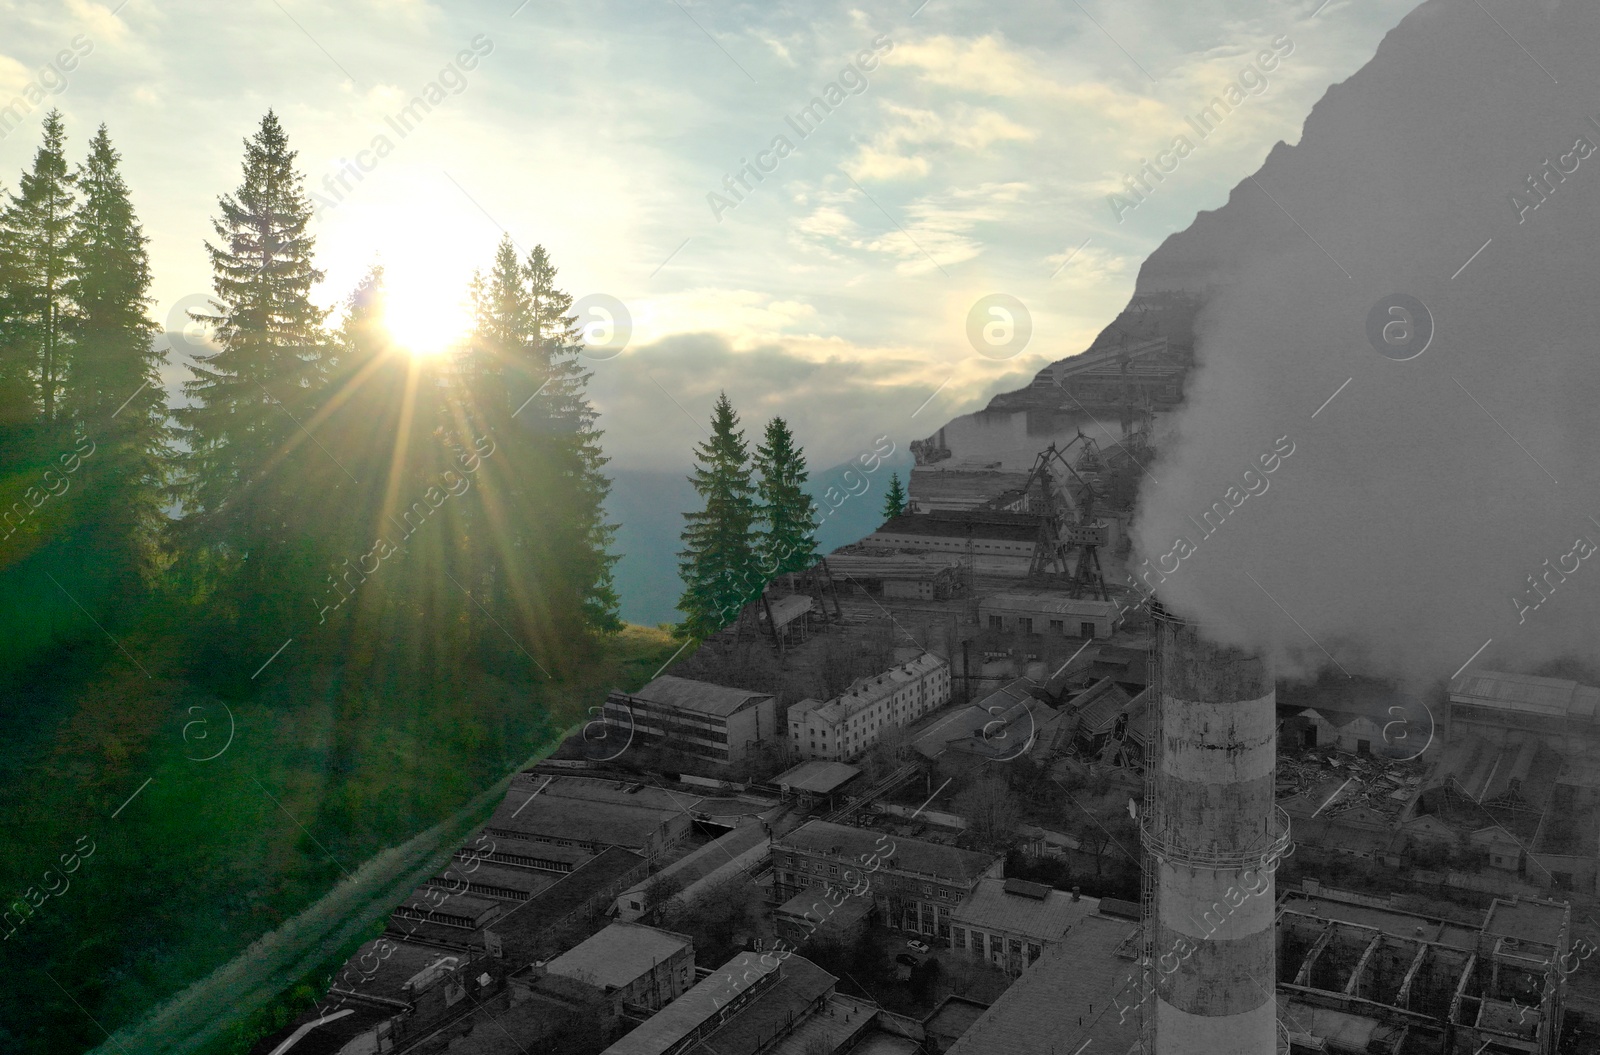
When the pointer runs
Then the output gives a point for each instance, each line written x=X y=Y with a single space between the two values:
x=1064 y=999
x=991 y=906
x=912 y=855
x=619 y=954
x=701 y=697
x=817 y=776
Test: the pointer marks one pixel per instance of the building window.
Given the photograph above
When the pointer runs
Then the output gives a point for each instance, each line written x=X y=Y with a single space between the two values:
x=960 y=937
x=996 y=623
x=1033 y=952
x=997 y=946
x=1026 y=625
x=1086 y=630
x=944 y=895
x=1058 y=625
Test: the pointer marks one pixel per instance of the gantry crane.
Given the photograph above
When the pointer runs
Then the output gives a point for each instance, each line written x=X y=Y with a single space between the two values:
x=1067 y=518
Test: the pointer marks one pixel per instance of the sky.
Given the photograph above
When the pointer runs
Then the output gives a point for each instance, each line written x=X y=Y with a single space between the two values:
x=970 y=152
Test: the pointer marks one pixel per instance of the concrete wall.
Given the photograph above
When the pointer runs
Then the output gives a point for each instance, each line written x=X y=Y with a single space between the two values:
x=753 y=725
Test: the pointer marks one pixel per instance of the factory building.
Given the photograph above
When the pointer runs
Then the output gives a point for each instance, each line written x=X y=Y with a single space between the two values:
x=1010 y=922
x=980 y=533
x=636 y=967
x=1210 y=828
x=915 y=888
x=901 y=576
x=846 y=726
x=1355 y=975
x=1048 y=613
x=944 y=490
x=708 y=721
x=1492 y=703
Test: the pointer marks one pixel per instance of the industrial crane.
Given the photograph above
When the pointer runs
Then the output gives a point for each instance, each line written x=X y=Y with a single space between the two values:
x=1067 y=521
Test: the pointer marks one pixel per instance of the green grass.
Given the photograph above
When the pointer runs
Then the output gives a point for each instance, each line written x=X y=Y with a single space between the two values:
x=328 y=766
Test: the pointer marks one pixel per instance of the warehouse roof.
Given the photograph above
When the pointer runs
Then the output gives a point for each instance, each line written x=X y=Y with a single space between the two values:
x=902 y=566
x=800 y=984
x=1009 y=527
x=701 y=697
x=1047 y=601
x=817 y=776
x=619 y=955
x=909 y=855
x=578 y=819
x=1555 y=697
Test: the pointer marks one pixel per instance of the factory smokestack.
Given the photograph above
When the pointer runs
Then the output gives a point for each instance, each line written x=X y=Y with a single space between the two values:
x=1213 y=834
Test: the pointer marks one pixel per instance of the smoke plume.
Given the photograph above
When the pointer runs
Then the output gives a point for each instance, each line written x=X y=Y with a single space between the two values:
x=1439 y=500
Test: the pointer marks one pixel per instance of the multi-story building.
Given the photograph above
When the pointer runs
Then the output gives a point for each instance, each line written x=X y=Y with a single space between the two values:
x=1010 y=923
x=914 y=885
x=708 y=721
x=635 y=966
x=844 y=727
x=1051 y=614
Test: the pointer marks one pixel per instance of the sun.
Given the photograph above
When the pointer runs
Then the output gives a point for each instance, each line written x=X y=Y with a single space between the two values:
x=420 y=324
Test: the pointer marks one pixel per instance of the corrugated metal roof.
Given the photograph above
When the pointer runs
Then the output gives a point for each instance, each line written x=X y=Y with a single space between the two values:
x=1520 y=692
x=699 y=696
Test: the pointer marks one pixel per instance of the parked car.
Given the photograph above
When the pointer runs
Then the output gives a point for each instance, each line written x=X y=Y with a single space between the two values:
x=918 y=946
x=906 y=960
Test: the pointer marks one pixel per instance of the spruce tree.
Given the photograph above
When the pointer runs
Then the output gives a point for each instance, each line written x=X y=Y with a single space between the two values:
x=717 y=555
x=788 y=514
x=894 y=503
x=114 y=391
x=251 y=477
x=537 y=531
x=583 y=537
x=35 y=230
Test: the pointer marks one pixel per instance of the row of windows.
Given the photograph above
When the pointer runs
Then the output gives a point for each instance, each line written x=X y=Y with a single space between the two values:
x=1057 y=626
x=997 y=945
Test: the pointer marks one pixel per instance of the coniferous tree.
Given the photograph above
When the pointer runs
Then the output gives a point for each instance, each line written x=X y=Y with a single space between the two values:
x=582 y=535
x=537 y=533
x=252 y=479
x=788 y=514
x=717 y=554
x=894 y=503
x=35 y=230
x=114 y=392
